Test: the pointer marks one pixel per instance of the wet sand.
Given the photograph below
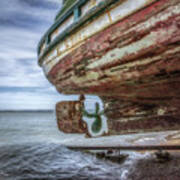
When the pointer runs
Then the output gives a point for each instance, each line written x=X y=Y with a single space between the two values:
x=151 y=169
x=5 y=178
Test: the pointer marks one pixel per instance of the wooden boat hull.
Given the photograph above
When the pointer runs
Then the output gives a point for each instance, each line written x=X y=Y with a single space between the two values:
x=120 y=117
x=133 y=65
x=136 y=57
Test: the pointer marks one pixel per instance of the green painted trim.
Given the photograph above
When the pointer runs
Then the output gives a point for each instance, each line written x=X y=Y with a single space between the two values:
x=66 y=6
x=59 y=21
x=93 y=13
x=97 y=124
x=77 y=14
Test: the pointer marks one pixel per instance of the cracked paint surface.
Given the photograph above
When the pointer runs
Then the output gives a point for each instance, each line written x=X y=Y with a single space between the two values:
x=134 y=66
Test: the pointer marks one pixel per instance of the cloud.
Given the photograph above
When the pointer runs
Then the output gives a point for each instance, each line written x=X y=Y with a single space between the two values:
x=22 y=23
x=37 y=99
x=13 y=9
x=27 y=100
x=23 y=84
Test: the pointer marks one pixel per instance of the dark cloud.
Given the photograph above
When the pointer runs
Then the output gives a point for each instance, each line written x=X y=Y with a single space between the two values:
x=27 y=13
x=22 y=23
x=23 y=84
x=39 y=4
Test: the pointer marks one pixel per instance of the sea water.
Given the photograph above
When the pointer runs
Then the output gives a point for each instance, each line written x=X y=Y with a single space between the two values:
x=31 y=147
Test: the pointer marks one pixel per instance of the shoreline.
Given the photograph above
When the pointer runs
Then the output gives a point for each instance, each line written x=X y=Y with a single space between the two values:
x=149 y=168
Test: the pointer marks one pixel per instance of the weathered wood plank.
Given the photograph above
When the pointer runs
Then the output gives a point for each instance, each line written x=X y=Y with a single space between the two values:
x=128 y=148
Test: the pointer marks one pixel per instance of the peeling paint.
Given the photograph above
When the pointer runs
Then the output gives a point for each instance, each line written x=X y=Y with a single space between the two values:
x=133 y=64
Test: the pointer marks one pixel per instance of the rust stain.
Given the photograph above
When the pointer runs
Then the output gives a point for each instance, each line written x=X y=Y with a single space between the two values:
x=109 y=16
x=132 y=117
x=140 y=89
x=69 y=117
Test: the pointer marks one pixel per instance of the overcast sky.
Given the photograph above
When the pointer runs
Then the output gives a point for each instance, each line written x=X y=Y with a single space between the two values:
x=22 y=82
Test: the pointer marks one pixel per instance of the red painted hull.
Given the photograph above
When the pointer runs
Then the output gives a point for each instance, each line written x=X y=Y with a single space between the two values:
x=148 y=80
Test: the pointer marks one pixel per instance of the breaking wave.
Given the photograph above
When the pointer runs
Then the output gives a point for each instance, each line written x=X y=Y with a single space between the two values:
x=55 y=162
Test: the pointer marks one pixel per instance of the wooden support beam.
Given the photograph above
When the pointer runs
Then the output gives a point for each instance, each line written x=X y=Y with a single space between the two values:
x=129 y=148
